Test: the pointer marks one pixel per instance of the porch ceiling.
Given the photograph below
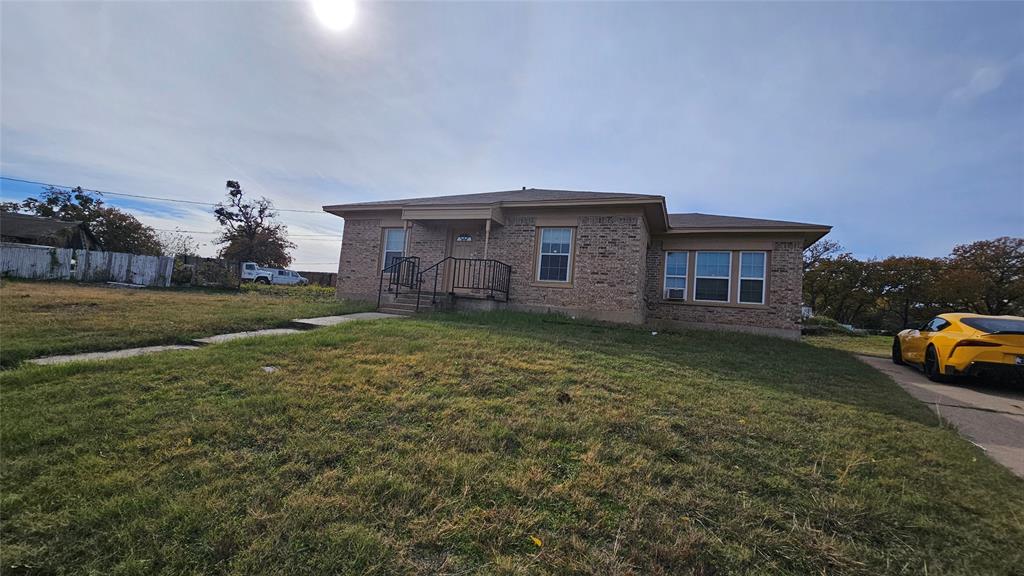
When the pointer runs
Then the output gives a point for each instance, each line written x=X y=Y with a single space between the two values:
x=492 y=213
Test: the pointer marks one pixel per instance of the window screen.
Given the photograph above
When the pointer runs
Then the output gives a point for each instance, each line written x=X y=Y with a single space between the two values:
x=675 y=275
x=752 y=273
x=555 y=254
x=712 y=279
x=394 y=245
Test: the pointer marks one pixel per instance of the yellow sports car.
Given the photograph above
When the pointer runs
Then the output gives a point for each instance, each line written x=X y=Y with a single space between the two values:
x=964 y=344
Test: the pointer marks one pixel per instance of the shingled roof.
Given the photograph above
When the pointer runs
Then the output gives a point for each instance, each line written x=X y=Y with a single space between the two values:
x=712 y=221
x=654 y=207
x=524 y=195
x=29 y=229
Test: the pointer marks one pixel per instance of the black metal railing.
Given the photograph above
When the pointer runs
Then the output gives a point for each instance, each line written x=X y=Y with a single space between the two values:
x=483 y=275
x=403 y=272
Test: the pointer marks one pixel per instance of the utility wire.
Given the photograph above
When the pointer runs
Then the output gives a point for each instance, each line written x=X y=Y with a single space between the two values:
x=327 y=236
x=178 y=200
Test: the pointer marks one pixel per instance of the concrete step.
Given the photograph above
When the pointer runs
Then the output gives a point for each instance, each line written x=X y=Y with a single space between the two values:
x=386 y=309
x=411 y=299
x=407 y=305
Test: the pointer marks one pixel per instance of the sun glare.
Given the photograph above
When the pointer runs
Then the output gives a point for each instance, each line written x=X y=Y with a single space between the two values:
x=335 y=14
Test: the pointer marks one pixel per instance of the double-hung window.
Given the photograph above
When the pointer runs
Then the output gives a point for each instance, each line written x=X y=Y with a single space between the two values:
x=752 y=271
x=712 y=279
x=675 y=275
x=555 y=256
x=394 y=245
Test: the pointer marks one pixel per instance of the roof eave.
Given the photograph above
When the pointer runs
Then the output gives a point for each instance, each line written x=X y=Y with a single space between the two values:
x=341 y=209
x=810 y=234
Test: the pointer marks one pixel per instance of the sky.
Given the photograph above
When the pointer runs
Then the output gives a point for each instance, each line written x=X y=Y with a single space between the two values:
x=901 y=125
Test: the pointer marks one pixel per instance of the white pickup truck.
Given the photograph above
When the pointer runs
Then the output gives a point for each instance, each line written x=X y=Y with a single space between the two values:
x=253 y=272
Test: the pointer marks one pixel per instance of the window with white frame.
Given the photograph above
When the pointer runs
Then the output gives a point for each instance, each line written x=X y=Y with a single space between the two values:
x=752 y=272
x=394 y=245
x=711 y=282
x=554 y=259
x=675 y=275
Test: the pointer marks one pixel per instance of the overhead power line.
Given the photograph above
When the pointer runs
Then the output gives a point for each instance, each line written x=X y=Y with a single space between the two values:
x=157 y=198
x=327 y=236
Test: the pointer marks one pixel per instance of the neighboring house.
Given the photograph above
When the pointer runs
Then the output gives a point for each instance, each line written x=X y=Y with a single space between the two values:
x=29 y=229
x=607 y=256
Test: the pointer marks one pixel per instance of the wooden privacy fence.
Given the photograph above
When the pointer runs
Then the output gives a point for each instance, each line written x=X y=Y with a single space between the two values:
x=46 y=263
x=329 y=279
x=206 y=272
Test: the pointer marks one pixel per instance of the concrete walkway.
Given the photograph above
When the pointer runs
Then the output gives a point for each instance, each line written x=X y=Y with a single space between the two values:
x=989 y=415
x=308 y=323
x=127 y=353
x=303 y=323
x=221 y=338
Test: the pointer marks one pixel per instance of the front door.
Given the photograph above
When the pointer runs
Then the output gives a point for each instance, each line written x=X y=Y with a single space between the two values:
x=462 y=244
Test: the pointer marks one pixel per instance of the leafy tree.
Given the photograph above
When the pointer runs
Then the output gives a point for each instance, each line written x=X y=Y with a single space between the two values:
x=908 y=286
x=988 y=276
x=842 y=288
x=985 y=277
x=119 y=231
x=74 y=205
x=250 y=233
x=114 y=229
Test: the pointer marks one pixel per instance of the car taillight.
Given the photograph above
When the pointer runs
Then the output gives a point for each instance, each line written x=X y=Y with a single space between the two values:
x=974 y=343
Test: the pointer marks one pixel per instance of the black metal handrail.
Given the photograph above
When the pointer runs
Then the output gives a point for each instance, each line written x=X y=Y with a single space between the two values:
x=402 y=272
x=469 y=274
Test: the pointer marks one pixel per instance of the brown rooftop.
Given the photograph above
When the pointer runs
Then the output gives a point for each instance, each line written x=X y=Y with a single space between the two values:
x=524 y=195
x=711 y=221
x=19 y=225
x=693 y=222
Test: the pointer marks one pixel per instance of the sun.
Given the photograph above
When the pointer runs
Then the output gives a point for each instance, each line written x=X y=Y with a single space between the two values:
x=335 y=14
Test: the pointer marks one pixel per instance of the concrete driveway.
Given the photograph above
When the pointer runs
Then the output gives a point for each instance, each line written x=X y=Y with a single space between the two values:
x=990 y=415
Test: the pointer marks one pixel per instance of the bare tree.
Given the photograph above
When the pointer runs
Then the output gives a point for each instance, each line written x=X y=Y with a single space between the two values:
x=821 y=250
x=178 y=243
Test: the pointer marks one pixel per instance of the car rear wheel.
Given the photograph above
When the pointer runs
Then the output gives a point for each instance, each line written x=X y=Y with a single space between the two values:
x=897 y=352
x=262 y=280
x=931 y=366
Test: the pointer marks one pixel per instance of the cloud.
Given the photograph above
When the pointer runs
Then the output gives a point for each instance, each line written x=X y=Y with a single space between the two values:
x=985 y=80
x=707 y=104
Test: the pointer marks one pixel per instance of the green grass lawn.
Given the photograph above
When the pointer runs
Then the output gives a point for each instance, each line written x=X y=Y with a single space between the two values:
x=868 y=345
x=46 y=318
x=448 y=444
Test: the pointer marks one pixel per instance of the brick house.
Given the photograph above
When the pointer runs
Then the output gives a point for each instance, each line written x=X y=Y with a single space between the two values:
x=607 y=256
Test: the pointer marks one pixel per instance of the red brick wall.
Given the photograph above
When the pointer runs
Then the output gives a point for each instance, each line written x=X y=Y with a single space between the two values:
x=617 y=268
x=359 y=264
x=779 y=316
x=607 y=266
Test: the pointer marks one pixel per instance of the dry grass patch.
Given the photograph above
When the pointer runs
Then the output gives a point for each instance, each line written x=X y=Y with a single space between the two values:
x=880 y=346
x=47 y=318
